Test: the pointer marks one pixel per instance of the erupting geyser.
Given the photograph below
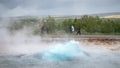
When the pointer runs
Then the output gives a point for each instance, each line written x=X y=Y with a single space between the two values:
x=66 y=51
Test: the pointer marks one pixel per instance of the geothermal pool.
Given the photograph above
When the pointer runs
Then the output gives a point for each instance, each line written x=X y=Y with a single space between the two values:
x=34 y=52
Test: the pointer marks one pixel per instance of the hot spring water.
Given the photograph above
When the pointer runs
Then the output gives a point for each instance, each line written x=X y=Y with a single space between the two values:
x=60 y=52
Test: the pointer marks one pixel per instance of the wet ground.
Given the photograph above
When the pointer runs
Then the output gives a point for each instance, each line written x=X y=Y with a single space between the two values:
x=101 y=53
x=96 y=60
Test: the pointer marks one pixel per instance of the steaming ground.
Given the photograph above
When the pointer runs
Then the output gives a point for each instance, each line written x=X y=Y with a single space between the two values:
x=17 y=51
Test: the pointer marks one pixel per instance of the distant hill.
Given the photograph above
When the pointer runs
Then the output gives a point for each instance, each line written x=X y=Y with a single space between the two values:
x=112 y=16
x=101 y=15
x=106 y=14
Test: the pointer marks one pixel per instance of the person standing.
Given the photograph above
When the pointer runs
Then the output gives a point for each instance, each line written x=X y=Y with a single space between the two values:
x=79 y=31
x=72 y=29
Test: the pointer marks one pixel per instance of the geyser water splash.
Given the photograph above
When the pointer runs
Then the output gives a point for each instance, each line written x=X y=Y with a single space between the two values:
x=60 y=52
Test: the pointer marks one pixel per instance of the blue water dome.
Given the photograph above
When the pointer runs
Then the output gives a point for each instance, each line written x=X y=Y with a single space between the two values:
x=62 y=51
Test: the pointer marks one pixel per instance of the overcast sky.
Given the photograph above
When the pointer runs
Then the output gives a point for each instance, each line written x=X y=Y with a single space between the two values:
x=10 y=8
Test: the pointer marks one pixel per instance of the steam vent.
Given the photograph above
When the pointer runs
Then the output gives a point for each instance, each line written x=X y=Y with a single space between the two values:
x=61 y=52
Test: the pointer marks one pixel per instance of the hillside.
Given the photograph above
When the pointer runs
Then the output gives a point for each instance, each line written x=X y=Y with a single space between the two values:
x=101 y=15
x=112 y=16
